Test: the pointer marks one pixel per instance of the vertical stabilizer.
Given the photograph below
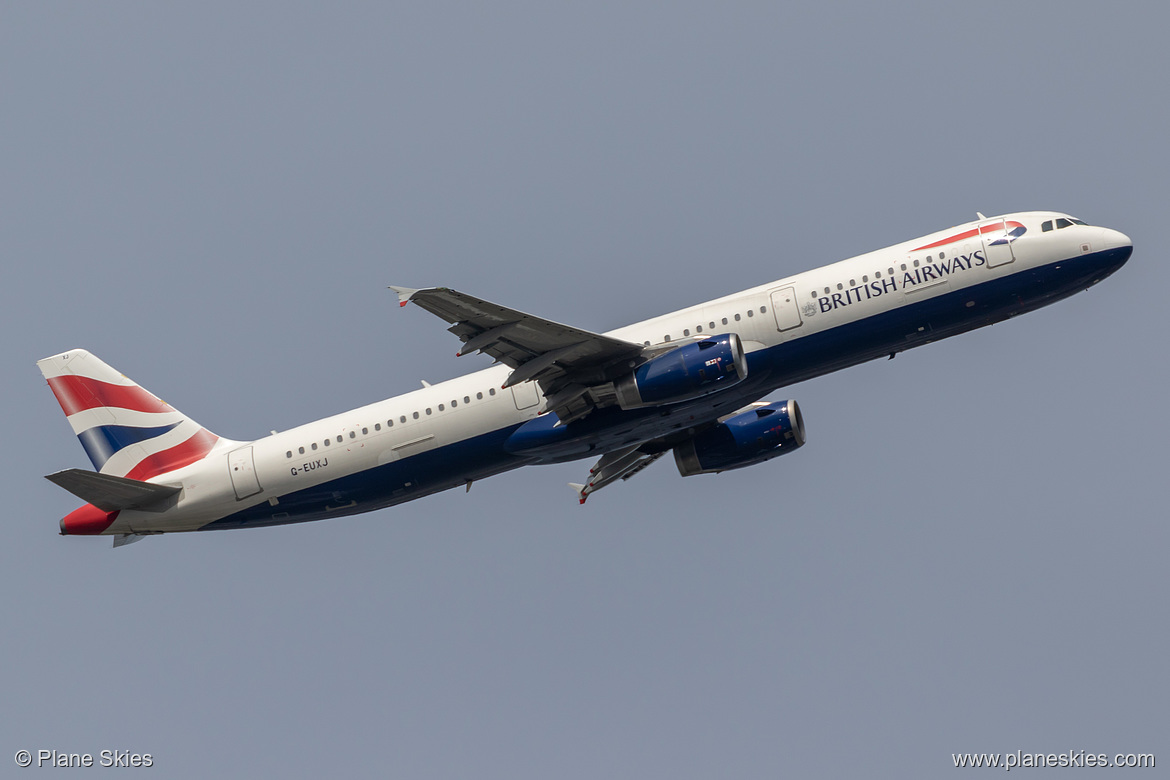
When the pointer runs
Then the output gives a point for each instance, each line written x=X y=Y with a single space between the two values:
x=125 y=430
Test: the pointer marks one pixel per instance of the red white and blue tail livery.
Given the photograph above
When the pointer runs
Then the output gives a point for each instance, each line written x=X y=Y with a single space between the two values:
x=126 y=431
x=689 y=383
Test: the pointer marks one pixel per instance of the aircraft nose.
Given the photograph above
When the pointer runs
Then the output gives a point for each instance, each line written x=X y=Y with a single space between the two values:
x=1113 y=250
x=1115 y=239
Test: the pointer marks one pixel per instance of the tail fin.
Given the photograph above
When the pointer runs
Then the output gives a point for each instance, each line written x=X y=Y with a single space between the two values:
x=126 y=431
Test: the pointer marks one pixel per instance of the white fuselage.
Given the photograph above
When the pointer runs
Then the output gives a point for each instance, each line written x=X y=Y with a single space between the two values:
x=281 y=472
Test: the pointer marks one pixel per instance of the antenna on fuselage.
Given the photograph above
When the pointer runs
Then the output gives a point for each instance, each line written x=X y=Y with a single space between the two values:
x=980 y=215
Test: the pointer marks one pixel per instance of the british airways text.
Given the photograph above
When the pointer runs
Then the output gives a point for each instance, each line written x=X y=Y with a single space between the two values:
x=931 y=272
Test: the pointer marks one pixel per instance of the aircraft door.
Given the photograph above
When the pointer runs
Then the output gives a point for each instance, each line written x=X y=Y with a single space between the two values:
x=784 y=308
x=243 y=472
x=996 y=244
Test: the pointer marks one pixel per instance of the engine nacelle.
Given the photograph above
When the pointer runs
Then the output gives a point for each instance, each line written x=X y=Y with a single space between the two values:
x=684 y=373
x=746 y=439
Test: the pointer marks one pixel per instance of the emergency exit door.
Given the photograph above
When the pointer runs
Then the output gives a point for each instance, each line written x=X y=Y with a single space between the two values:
x=784 y=308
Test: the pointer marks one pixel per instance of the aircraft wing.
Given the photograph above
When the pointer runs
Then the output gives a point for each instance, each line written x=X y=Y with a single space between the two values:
x=572 y=366
x=619 y=464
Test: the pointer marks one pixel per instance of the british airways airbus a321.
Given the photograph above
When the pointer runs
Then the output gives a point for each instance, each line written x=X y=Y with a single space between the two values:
x=688 y=382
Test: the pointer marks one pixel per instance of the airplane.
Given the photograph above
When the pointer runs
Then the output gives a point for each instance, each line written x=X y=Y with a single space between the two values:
x=688 y=382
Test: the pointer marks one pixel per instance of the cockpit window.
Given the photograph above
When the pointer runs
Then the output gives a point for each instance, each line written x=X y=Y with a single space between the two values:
x=1061 y=223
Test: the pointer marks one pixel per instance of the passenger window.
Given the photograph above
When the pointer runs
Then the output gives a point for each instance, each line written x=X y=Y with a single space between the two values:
x=454 y=403
x=852 y=282
x=415 y=415
x=864 y=279
x=712 y=325
x=840 y=286
x=491 y=391
x=428 y=410
x=751 y=313
x=877 y=274
x=479 y=396
x=686 y=331
x=903 y=266
x=327 y=442
x=288 y=454
x=737 y=318
x=467 y=399
x=378 y=426
x=666 y=339
x=313 y=445
x=941 y=256
x=352 y=435
x=763 y=310
x=339 y=440
x=401 y=419
x=301 y=450
x=441 y=407
x=892 y=270
x=365 y=431
x=915 y=263
x=725 y=319
x=826 y=291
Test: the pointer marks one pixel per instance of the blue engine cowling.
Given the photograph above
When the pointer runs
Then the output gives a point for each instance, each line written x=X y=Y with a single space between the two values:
x=684 y=373
x=746 y=439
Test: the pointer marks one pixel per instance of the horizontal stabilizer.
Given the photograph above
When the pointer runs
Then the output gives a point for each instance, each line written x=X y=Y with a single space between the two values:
x=109 y=493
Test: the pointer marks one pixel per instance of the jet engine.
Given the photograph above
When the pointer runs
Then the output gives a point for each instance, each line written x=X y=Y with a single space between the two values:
x=744 y=439
x=684 y=373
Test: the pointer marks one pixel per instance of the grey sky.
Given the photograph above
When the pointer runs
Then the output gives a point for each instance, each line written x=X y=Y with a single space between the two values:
x=969 y=555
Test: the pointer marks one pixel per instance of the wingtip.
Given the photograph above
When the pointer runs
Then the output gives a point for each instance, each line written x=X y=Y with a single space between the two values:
x=579 y=489
x=404 y=294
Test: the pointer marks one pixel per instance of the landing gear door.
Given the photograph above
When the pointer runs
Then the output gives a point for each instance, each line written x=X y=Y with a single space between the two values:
x=997 y=243
x=784 y=309
x=243 y=473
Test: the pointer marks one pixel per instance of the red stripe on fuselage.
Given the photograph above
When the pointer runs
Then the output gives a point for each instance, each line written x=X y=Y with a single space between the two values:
x=969 y=234
x=87 y=521
x=176 y=457
x=78 y=393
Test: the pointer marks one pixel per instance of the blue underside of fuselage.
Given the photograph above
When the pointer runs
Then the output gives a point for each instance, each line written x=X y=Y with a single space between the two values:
x=540 y=441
